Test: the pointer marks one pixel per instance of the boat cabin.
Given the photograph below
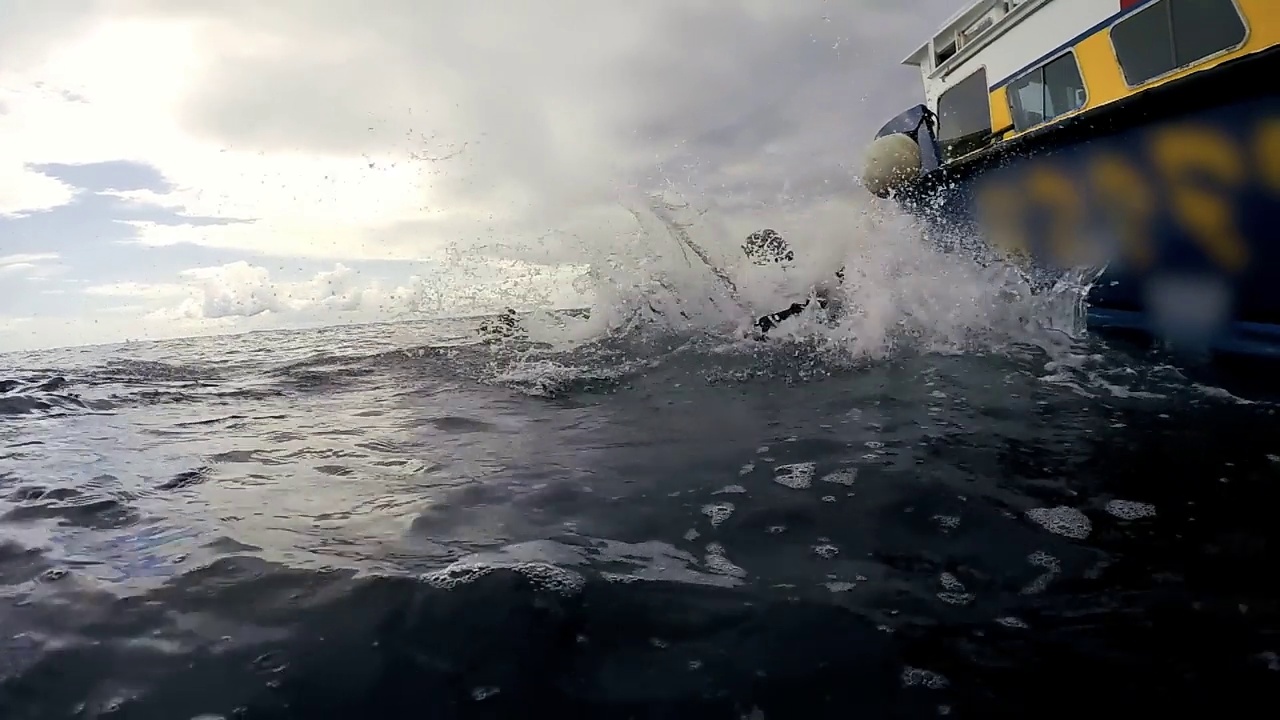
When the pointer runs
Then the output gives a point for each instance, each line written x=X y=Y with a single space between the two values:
x=999 y=69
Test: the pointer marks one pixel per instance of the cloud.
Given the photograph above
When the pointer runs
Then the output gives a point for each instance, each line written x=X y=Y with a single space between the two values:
x=144 y=137
x=244 y=290
x=242 y=296
x=138 y=290
x=27 y=258
x=31 y=266
x=9 y=324
x=23 y=191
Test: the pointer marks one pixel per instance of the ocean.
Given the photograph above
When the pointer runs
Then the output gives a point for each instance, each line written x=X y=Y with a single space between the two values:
x=649 y=520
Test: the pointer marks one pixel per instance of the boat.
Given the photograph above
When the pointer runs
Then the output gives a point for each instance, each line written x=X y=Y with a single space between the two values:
x=1140 y=138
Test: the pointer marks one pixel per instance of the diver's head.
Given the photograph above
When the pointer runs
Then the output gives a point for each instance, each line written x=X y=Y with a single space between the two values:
x=767 y=246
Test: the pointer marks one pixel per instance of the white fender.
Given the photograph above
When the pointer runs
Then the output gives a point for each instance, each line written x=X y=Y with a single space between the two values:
x=891 y=162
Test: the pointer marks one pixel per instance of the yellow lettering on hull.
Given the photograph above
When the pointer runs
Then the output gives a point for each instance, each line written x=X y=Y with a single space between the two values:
x=1191 y=177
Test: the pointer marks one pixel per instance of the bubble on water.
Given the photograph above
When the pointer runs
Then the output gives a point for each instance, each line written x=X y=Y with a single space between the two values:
x=1130 y=510
x=551 y=577
x=844 y=477
x=544 y=575
x=730 y=490
x=747 y=469
x=776 y=529
x=722 y=565
x=839 y=586
x=692 y=535
x=53 y=574
x=484 y=693
x=620 y=578
x=947 y=521
x=459 y=573
x=916 y=677
x=828 y=498
x=1038 y=585
x=826 y=550
x=953 y=591
x=1011 y=622
x=1062 y=520
x=797 y=476
x=717 y=563
x=718 y=512
x=1043 y=559
x=547 y=378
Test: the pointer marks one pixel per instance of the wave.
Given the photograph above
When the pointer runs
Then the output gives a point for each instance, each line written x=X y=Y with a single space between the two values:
x=676 y=290
x=42 y=394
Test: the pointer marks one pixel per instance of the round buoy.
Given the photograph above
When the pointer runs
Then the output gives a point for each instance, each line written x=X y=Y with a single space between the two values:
x=891 y=161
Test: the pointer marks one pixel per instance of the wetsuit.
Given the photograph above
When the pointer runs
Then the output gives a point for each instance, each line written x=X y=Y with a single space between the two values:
x=768 y=246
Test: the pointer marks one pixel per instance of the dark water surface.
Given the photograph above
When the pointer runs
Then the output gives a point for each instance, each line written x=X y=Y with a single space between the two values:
x=380 y=522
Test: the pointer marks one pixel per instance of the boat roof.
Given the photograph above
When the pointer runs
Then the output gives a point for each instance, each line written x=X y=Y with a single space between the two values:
x=973 y=26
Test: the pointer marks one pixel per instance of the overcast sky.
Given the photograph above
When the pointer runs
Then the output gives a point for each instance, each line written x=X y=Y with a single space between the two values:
x=171 y=167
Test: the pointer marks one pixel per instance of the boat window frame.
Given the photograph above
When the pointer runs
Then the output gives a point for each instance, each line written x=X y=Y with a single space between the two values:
x=943 y=143
x=1008 y=90
x=1166 y=5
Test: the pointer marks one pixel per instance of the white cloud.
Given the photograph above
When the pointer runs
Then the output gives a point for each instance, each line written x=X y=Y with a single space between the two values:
x=8 y=324
x=32 y=266
x=244 y=290
x=128 y=310
x=241 y=296
x=18 y=333
x=285 y=237
x=23 y=191
x=137 y=290
x=27 y=258
x=354 y=131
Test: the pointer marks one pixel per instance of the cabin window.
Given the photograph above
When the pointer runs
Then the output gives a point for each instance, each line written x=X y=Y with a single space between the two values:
x=1171 y=34
x=974 y=30
x=1043 y=94
x=947 y=52
x=964 y=116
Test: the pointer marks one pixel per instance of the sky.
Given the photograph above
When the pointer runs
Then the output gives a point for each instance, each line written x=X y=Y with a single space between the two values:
x=179 y=167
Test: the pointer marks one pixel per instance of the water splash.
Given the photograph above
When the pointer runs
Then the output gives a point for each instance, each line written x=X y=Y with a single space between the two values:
x=681 y=270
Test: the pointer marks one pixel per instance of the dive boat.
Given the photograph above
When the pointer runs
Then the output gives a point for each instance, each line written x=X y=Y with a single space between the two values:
x=1140 y=138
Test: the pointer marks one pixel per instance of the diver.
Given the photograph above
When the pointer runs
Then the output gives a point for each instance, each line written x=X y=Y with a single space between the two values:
x=768 y=246
x=504 y=324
